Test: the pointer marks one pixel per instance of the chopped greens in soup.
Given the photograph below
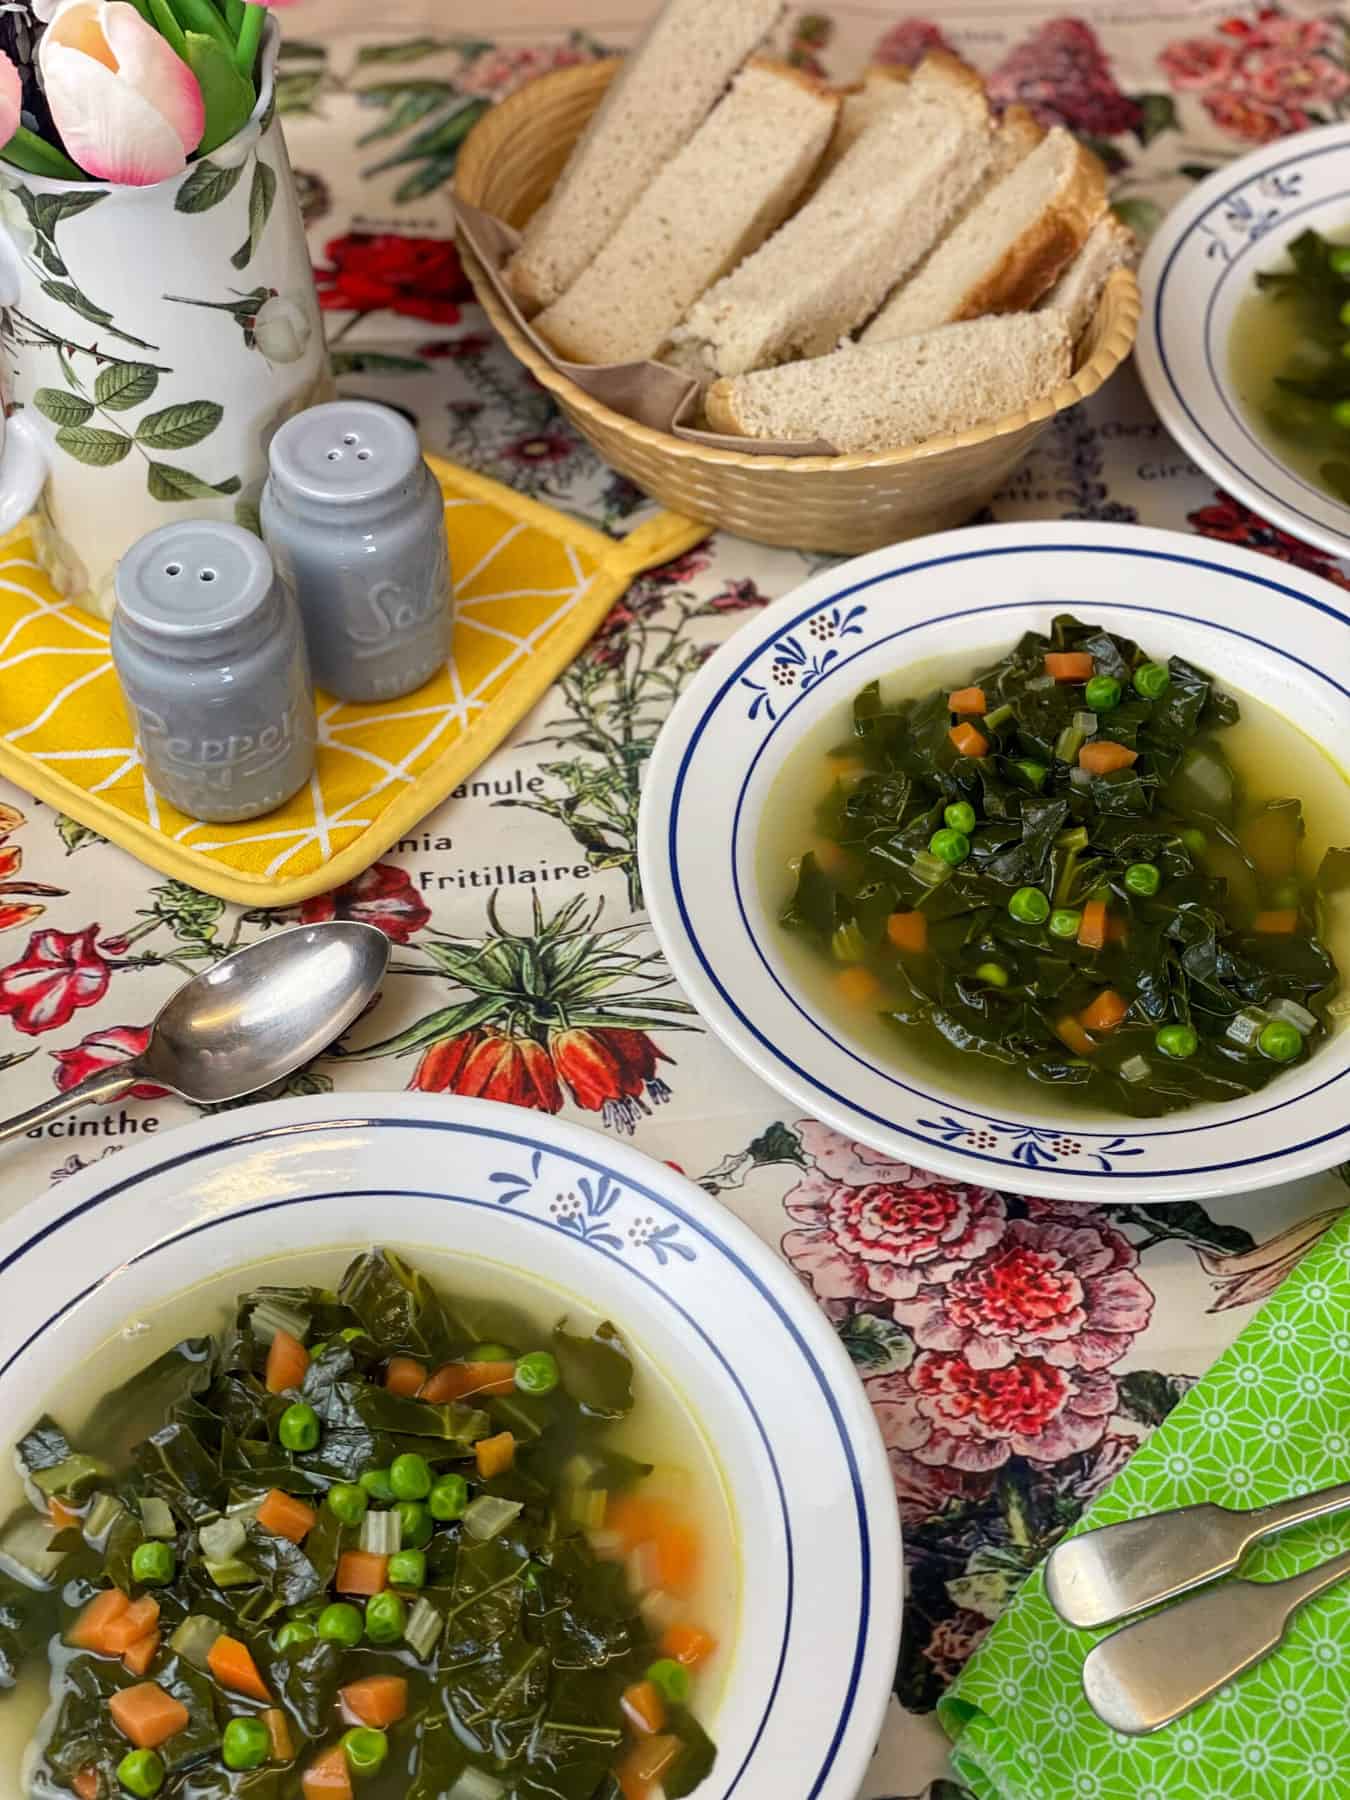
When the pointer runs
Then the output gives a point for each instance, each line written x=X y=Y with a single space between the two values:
x=1053 y=867
x=369 y=1540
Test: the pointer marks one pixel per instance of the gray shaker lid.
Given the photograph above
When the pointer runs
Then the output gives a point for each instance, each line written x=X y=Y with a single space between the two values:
x=193 y=579
x=344 y=453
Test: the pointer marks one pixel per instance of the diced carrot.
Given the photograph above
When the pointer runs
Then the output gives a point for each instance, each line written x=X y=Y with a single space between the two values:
x=832 y=857
x=858 y=986
x=1092 y=925
x=908 y=931
x=279 y=1730
x=1070 y=1032
x=146 y=1714
x=645 y=1764
x=1271 y=841
x=967 y=700
x=1105 y=1012
x=286 y=1517
x=1279 y=923
x=1069 y=665
x=405 y=1376
x=376 y=1700
x=688 y=1645
x=361 y=1572
x=129 y=1627
x=61 y=1515
x=1102 y=757
x=88 y=1631
x=328 y=1777
x=85 y=1783
x=644 y=1708
x=495 y=1455
x=460 y=1381
x=653 y=1525
x=287 y=1360
x=233 y=1666
x=1117 y=929
x=137 y=1660
x=634 y=1519
x=967 y=740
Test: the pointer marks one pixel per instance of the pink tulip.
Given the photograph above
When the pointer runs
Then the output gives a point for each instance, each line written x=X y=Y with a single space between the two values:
x=128 y=108
x=11 y=98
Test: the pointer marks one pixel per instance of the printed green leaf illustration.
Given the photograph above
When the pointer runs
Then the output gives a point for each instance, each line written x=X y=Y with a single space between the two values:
x=414 y=49
x=206 y=186
x=79 y=303
x=62 y=408
x=74 y=835
x=120 y=386
x=49 y=256
x=374 y=362
x=179 y=427
x=407 y=101
x=262 y=192
x=227 y=94
x=50 y=209
x=164 y=482
x=246 y=515
x=296 y=92
x=1158 y=113
x=88 y=444
x=435 y=148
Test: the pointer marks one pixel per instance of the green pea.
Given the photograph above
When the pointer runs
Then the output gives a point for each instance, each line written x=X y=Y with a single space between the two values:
x=1280 y=1041
x=1177 y=1041
x=348 y=1502
x=153 y=1563
x=408 y=1568
x=410 y=1477
x=417 y=1525
x=1064 y=922
x=1102 y=693
x=386 y=1618
x=365 y=1749
x=1029 y=906
x=1339 y=259
x=449 y=1497
x=245 y=1743
x=670 y=1679
x=949 y=846
x=1143 y=878
x=377 y=1484
x=299 y=1427
x=960 y=815
x=1286 y=893
x=489 y=1353
x=994 y=973
x=340 y=1623
x=538 y=1373
x=293 y=1632
x=141 y=1772
x=1152 y=680
x=1340 y=414
x=1031 y=771
x=1194 y=841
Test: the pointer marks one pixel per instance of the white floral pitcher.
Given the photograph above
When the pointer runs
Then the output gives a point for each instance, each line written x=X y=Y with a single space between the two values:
x=154 y=338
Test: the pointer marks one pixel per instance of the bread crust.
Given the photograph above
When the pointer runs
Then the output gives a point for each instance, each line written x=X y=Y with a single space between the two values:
x=719 y=410
x=1032 y=265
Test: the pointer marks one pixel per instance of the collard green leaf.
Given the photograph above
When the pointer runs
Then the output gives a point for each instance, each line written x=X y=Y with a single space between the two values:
x=43 y=1447
x=486 y=1597
x=27 y=1620
x=305 y=1679
x=206 y=185
x=597 y=1371
x=398 y=1307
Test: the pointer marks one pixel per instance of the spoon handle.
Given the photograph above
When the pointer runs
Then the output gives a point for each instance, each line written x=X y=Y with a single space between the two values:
x=98 y=1089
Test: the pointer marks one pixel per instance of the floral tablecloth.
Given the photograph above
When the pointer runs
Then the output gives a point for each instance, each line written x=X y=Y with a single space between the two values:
x=1003 y=1418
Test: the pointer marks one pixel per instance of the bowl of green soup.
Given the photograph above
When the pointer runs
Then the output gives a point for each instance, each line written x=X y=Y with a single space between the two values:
x=1023 y=853
x=397 y=1448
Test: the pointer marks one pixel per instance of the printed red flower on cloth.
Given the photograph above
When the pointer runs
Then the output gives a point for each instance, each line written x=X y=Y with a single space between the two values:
x=490 y=1065
x=1067 y=1294
x=421 y=277
x=922 y=1490
x=383 y=895
x=681 y=570
x=737 y=596
x=1233 y=523
x=499 y=72
x=873 y=1229
x=58 y=972
x=1064 y=75
x=954 y=1641
x=609 y=1070
x=539 y=447
x=909 y=42
x=1263 y=78
x=946 y=1411
x=104 y=1049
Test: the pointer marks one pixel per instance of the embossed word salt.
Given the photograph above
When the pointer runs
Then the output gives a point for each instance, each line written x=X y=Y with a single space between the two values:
x=355 y=522
x=208 y=648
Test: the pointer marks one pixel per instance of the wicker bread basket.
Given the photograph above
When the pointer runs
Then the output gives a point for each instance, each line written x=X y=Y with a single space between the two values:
x=837 y=503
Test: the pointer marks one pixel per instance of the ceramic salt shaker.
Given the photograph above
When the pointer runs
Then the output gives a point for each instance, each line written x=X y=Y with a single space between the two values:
x=356 y=525
x=211 y=657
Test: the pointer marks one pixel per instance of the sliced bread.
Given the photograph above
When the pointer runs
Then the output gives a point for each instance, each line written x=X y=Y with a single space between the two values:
x=1007 y=250
x=825 y=271
x=714 y=202
x=1111 y=245
x=877 y=93
x=665 y=90
x=884 y=396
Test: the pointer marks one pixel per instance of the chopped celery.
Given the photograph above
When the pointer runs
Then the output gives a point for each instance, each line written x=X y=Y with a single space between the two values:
x=487 y=1515
x=157 y=1519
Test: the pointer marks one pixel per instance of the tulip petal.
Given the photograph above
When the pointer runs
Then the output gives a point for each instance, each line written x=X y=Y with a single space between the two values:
x=154 y=69
x=11 y=98
x=109 y=129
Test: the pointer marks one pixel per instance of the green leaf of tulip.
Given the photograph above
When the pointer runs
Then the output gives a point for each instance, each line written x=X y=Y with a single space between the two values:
x=228 y=95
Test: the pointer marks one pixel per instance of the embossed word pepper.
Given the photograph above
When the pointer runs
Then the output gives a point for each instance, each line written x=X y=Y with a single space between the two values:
x=211 y=657
x=355 y=522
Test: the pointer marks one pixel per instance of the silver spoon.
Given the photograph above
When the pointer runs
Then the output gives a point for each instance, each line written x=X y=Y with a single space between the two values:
x=253 y=1017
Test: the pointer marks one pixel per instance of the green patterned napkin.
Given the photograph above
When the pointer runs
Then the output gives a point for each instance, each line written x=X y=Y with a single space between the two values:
x=1271 y=1419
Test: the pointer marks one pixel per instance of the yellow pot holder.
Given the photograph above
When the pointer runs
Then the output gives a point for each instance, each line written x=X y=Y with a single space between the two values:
x=531 y=586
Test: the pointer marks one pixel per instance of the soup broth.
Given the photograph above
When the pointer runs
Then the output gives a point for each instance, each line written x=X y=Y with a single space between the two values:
x=1271 y=760
x=673 y=1524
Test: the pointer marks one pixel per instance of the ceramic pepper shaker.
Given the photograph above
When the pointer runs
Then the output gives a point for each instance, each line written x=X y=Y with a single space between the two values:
x=211 y=657
x=356 y=525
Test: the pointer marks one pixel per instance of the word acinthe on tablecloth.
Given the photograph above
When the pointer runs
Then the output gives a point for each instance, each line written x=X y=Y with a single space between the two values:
x=118 y=1124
